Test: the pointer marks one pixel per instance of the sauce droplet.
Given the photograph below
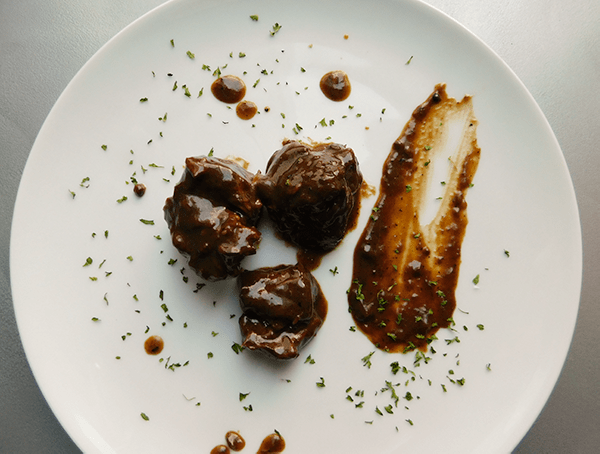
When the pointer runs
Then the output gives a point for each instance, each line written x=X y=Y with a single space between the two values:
x=273 y=443
x=235 y=441
x=139 y=189
x=229 y=89
x=335 y=85
x=154 y=345
x=221 y=449
x=246 y=110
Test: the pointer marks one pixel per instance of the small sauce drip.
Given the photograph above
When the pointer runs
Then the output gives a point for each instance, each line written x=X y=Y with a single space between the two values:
x=139 y=189
x=229 y=89
x=235 y=441
x=246 y=110
x=221 y=449
x=273 y=443
x=367 y=190
x=405 y=274
x=154 y=345
x=335 y=85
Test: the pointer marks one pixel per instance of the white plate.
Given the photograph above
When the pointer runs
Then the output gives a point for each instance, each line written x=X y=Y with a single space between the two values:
x=523 y=202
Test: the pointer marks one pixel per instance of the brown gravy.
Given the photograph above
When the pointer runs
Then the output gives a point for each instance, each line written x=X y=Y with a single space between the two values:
x=139 y=189
x=405 y=274
x=335 y=85
x=273 y=443
x=235 y=441
x=246 y=110
x=154 y=345
x=229 y=89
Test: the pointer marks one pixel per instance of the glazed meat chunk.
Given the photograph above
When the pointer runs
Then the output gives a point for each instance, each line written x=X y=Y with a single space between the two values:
x=212 y=216
x=283 y=308
x=312 y=193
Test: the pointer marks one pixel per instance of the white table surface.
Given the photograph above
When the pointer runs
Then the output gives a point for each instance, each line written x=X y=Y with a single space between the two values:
x=553 y=47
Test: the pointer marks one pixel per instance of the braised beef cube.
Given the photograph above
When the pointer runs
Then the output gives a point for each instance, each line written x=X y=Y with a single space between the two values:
x=312 y=193
x=212 y=216
x=283 y=308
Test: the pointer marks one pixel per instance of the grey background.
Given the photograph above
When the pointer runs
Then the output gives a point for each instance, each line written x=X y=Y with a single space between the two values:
x=554 y=48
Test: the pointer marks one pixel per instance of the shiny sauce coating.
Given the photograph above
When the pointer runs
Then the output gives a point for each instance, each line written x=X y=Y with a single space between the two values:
x=283 y=309
x=404 y=274
x=312 y=193
x=335 y=85
x=212 y=216
x=228 y=89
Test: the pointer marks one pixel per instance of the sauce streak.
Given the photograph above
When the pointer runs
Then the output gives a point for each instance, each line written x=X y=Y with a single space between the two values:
x=229 y=89
x=246 y=110
x=154 y=345
x=405 y=274
x=273 y=443
x=335 y=85
x=235 y=441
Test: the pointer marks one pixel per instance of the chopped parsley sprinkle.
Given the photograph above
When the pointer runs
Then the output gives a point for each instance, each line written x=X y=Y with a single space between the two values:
x=367 y=360
x=190 y=54
x=142 y=414
x=237 y=348
x=276 y=28
x=147 y=221
x=476 y=280
x=254 y=17
x=321 y=384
